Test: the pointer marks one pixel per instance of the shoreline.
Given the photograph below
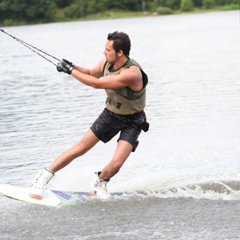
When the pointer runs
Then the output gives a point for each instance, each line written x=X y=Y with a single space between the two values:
x=110 y=15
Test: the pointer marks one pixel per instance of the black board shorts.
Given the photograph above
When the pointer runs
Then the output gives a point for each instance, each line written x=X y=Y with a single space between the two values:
x=109 y=124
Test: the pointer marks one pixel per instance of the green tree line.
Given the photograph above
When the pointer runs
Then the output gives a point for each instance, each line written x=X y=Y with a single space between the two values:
x=14 y=12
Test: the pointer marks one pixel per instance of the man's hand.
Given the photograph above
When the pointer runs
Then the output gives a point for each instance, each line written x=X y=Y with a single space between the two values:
x=65 y=66
x=66 y=61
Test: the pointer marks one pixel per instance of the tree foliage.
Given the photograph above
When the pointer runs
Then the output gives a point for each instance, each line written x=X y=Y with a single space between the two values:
x=34 y=11
x=209 y=3
x=186 y=5
x=29 y=11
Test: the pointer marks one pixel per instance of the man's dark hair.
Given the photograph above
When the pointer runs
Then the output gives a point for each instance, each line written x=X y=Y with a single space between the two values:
x=121 y=41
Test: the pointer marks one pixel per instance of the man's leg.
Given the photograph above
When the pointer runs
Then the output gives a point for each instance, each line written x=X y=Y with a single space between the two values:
x=99 y=184
x=122 y=152
x=87 y=142
x=45 y=175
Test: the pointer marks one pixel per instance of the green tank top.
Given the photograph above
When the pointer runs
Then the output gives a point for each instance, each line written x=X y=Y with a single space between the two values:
x=125 y=101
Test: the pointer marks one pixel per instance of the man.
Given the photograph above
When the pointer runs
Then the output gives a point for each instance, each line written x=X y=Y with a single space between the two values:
x=124 y=82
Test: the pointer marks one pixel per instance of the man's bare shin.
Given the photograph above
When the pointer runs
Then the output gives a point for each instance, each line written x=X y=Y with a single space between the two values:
x=123 y=151
x=87 y=142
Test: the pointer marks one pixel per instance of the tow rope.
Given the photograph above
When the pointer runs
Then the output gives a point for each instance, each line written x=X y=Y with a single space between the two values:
x=32 y=48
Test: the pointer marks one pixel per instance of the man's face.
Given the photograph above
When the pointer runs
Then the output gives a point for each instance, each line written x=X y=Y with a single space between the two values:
x=110 y=53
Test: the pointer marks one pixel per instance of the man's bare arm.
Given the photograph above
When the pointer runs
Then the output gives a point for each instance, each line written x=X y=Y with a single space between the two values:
x=130 y=77
x=96 y=71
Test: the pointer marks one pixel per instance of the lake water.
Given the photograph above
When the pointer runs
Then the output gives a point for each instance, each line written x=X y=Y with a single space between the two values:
x=186 y=169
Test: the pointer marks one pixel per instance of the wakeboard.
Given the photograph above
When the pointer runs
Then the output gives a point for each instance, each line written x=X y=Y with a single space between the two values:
x=52 y=198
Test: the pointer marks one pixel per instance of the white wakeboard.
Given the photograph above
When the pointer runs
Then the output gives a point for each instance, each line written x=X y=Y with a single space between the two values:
x=51 y=198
